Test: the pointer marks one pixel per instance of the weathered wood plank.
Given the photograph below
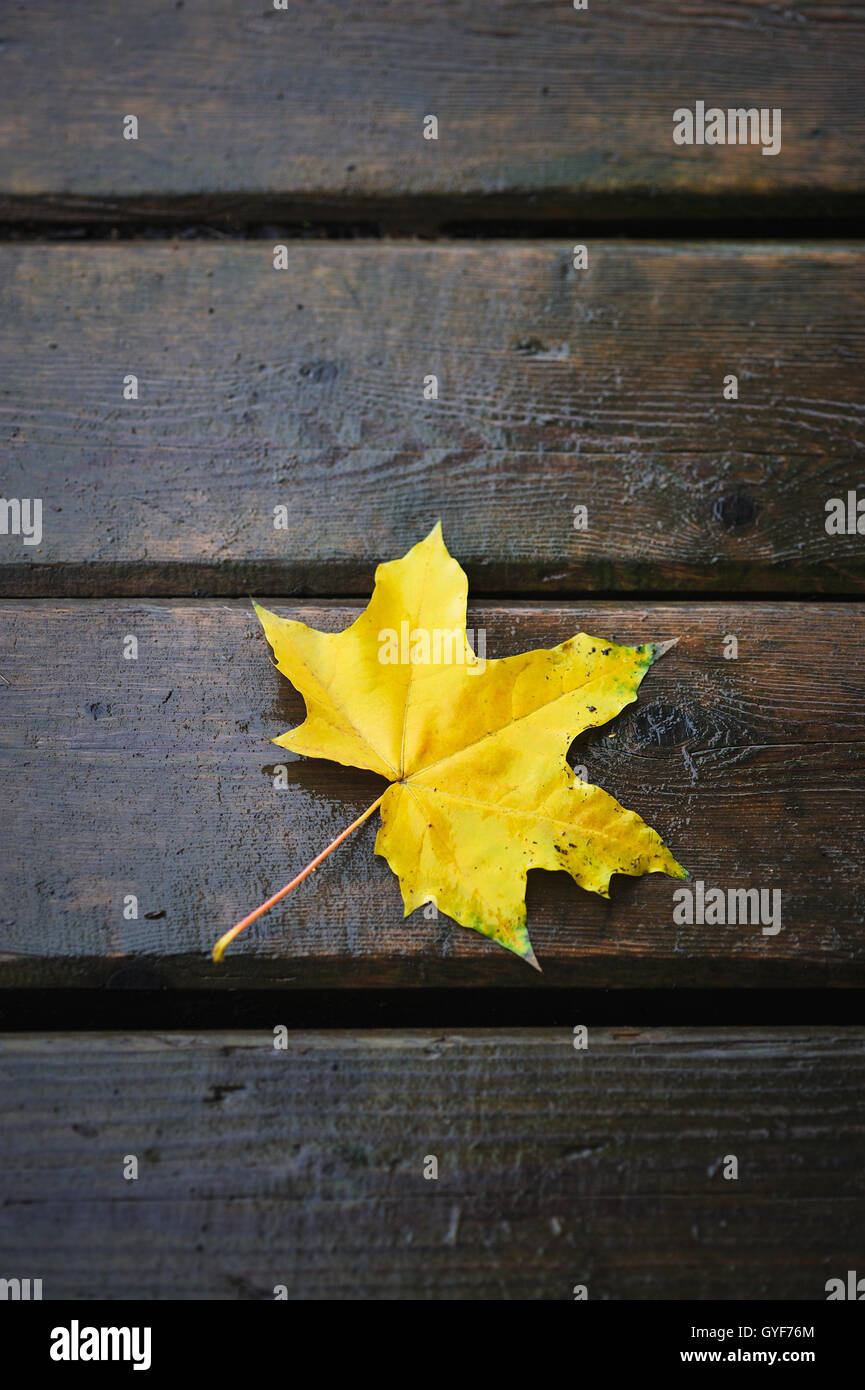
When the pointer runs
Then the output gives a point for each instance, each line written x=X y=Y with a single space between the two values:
x=304 y=1167
x=319 y=110
x=557 y=388
x=154 y=777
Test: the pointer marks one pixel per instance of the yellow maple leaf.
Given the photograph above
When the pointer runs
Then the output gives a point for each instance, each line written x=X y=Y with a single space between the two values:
x=474 y=750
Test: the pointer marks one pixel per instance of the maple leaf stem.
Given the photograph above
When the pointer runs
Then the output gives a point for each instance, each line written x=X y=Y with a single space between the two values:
x=219 y=948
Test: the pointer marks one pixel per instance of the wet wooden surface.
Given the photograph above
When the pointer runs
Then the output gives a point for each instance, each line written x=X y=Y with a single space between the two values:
x=303 y=389
x=304 y=1167
x=156 y=777
x=543 y=111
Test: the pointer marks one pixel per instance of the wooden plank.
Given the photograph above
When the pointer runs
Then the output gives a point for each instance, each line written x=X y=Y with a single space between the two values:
x=557 y=388
x=154 y=777
x=320 y=110
x=304 y=1167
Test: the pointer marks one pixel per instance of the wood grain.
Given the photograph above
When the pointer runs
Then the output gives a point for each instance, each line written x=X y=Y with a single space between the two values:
x=155 y=777
x=318 y=111
x=557 y=388
x=303 y=1167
